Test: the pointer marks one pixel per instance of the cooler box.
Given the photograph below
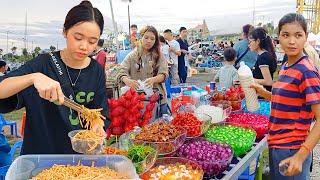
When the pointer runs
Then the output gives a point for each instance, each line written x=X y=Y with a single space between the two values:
x=27 y=166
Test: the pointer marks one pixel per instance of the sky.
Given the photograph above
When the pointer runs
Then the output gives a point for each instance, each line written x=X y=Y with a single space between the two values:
x=45 y=18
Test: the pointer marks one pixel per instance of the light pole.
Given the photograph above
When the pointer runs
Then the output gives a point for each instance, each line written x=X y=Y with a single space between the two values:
x=129 y=17
x=254 y=12
x=129 y=1
x=8 y=40
x=114 y=25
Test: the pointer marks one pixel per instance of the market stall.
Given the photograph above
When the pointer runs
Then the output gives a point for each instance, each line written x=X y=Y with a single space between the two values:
x=204 y=137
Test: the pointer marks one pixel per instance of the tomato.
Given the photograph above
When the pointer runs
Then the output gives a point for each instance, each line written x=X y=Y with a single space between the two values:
x=142 y=97
x=140 y=105
x=115 y=122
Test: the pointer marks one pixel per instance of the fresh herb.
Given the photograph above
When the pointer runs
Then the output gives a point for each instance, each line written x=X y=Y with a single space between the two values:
x=138 y=154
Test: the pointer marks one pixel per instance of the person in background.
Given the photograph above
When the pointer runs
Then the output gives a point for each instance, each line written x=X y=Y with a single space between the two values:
x=41 y=85
x=312 y=54
x=146 y=63
x=295 y=103
x=227 y=74
x=182 y=40
x=231 y=43
x=134 y=35
x=242 y=48
x=164 y=48
x=3 y=68
x=174 y=52
x=266 y=64
x=101 y=54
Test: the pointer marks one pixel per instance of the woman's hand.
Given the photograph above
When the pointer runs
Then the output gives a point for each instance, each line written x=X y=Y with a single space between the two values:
x=259 y=88
x=98 y=129
x=48 y=88
x=131 y=83
x=261 y=91
x=149 y=82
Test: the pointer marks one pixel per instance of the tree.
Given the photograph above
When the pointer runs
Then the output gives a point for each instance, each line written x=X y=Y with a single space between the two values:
x=270 y=28
x=37 y=51
x=24 y=52
x=52 y=48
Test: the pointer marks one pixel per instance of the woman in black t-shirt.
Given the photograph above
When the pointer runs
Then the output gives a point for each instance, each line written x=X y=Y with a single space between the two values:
x=41 y=82
x=266 y=64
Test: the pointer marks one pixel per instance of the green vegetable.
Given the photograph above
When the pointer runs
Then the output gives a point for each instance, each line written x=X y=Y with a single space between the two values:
x=138 y=154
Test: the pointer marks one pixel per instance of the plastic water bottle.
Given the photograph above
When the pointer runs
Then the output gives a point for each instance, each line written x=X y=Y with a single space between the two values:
x=246 y=79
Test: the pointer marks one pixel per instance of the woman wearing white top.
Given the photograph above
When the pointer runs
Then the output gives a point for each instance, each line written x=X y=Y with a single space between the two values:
x=164 y=48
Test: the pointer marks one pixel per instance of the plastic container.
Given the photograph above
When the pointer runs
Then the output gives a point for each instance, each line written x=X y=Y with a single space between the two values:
x=28 y=166
x=84 y=146
x=240 y=138
x=246 y=79
x=174 y=161
x=227 y=109
x=257 y=122
x=210 y=167
x=163 y=148
x=265 y=107
x=146 y=164
x=198 y=130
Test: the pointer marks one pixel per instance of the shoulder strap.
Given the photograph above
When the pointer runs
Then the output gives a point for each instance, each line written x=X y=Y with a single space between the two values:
x=240 y=57
x=60 y=70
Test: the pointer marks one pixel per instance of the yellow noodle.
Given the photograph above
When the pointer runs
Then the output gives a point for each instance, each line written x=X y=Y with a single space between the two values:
x=91 y=117
x=79 y=172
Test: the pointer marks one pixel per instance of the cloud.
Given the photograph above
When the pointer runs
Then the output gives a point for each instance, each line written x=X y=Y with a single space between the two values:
x=45 y=18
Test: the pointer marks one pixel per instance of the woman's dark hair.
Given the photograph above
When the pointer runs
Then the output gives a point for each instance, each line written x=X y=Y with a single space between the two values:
x=84 y=12
x=265 y=40
x=293 y=17
x=161 y=39
x=155 y=50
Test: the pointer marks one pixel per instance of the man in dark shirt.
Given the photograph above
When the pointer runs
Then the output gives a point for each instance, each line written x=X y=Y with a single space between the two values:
x=182 y=69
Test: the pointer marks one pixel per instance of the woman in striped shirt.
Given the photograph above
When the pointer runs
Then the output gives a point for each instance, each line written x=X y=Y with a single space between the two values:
x=295 y=102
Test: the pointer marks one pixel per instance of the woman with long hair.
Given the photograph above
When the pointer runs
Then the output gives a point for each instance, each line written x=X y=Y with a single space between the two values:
x=266 y=64
x=295 y=103
x=146 y=63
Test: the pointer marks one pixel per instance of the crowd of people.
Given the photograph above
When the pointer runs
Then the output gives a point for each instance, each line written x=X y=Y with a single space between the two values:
x=42 y=83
